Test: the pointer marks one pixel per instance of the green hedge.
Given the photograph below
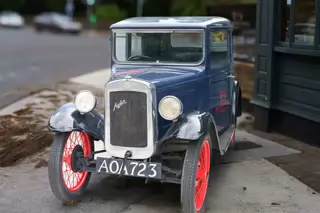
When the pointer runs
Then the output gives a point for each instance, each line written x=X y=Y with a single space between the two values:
x=110 y=12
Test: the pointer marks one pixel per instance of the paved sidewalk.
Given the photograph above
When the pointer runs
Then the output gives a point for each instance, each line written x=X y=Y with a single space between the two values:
x=242 y=181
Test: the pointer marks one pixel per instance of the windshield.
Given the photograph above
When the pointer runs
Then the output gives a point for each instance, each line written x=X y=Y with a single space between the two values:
x=159 y=48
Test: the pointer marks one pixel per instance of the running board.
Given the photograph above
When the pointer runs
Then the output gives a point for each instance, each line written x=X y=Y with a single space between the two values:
x=225 y=139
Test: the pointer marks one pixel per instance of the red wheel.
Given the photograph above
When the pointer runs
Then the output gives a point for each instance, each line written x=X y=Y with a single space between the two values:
x=232 y=145
x=66 y=178
x=195 y=176
x=77 y=142
x=202 y=178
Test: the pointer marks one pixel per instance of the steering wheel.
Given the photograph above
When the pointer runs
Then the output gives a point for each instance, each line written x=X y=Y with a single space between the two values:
x=135 y=57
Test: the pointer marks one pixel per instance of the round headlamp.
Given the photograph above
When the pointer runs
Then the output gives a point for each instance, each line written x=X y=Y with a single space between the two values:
x=85 y=101
x=170 y=108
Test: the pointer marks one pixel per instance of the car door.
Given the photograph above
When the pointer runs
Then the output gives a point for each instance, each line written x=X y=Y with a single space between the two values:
x=221 y=79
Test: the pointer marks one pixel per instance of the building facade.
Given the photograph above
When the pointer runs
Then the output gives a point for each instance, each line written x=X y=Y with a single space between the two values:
x=287 y=78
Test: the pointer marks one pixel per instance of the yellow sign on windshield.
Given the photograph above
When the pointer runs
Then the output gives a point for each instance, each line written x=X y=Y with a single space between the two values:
x=218 y=37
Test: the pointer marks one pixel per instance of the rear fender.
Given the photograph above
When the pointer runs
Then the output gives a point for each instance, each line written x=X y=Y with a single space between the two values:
x=238 y=99
x=67 y=119
x=191 y=128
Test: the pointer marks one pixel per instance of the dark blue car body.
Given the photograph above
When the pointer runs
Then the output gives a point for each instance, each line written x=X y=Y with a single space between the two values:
x=206 y=90
x=171 y=104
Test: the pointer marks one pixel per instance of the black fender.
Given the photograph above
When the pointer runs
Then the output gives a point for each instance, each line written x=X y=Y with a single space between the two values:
x=67 y=119
x=192 y=127
x=238 y=99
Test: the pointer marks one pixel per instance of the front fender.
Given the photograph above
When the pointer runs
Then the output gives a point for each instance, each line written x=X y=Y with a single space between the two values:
x=190 y=127
x=67 y=118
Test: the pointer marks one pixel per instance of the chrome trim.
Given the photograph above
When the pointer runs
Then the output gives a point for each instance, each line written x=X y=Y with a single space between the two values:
x=204 y=48
x=131 y=84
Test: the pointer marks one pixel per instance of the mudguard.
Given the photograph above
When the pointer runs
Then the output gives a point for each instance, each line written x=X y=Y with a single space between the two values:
x=239 y=100
x=67 y=118
x=192 y=127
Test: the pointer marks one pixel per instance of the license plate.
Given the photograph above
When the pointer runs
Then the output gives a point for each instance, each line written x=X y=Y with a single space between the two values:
x=131 y=168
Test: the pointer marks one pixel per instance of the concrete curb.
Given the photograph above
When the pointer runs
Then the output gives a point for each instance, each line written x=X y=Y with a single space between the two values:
x=95 y=34
x=96 y=78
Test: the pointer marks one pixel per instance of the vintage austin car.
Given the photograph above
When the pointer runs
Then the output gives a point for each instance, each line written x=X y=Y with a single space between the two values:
x=171 y=104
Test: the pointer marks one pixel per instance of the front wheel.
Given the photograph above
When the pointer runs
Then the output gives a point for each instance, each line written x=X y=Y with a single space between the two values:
x=67 y=181
x=195 y=175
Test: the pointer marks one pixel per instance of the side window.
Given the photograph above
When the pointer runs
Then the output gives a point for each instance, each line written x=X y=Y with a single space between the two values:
x=120 y=46
x=219 y=47
x=136 y=45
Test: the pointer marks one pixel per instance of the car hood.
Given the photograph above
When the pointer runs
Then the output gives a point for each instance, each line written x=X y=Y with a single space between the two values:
x=159 y=76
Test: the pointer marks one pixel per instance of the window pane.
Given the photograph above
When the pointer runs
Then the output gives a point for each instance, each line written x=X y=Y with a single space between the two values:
x=165 y=48
x=186 y=40
x=286 y=22
x=304 y=28
x=219 y=47
x=120 y=45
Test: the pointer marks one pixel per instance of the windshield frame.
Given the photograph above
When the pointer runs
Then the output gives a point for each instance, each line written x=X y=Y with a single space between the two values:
x=202 y=31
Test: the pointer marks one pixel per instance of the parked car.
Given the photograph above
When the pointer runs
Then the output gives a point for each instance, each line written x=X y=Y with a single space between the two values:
x=11 y=19
x=57 y=23
x=171 y=105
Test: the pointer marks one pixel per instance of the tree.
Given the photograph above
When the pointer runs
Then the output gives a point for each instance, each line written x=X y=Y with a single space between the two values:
x=110 y=12
x=189 y=7
x=55 y=5
x=199 y=7
x=14 y=5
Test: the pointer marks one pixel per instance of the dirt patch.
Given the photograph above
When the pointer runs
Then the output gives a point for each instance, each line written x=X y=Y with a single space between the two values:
x=23 y=126
x=21 y=138
x=24 y=132
x=41 y=163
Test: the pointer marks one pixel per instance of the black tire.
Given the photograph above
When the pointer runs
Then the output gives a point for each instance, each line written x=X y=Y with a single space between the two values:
x=234 y=117
x=189 y=173
x=55 y=167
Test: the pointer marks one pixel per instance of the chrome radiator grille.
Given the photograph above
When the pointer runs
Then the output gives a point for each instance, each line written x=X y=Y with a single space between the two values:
x=128 y=119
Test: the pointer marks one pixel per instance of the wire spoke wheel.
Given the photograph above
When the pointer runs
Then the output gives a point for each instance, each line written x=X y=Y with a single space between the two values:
x=202 y=177
x=67 y=179
x=77 y=143
x=195 y=175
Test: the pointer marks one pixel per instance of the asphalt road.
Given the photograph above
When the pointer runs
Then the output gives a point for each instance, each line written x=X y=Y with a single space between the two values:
x=31 y=61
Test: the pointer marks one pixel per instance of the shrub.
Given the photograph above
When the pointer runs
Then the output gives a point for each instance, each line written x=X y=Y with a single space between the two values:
x=110 y=12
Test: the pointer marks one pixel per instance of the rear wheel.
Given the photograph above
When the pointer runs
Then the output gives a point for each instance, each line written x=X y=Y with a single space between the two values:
x=67 y=181
x=195 y=176
x=234 y=119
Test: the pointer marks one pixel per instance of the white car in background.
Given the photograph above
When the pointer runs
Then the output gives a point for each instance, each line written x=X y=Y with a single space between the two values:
x=11 y=19
x=56 y=22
